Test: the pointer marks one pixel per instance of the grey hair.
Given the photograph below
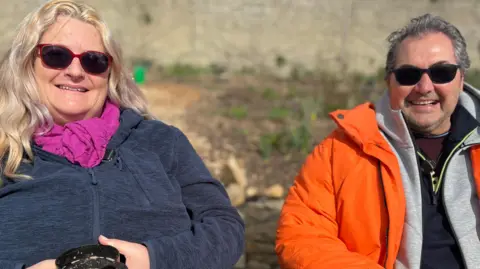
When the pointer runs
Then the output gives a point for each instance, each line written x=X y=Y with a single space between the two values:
x=426 y=24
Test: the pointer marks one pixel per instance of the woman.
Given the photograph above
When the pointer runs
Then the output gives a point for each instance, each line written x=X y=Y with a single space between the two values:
x=84 y=162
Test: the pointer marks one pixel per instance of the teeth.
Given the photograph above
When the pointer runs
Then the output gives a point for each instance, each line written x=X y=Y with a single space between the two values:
x=423 y=102
x=71 y=89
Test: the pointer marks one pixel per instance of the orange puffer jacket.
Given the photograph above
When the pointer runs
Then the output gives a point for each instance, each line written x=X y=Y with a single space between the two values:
x=346 y=207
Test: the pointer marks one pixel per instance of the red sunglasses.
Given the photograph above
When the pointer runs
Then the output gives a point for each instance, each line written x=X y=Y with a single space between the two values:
x=60 y=57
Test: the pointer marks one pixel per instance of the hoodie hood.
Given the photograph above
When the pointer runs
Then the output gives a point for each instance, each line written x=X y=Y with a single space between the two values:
x=129 y=120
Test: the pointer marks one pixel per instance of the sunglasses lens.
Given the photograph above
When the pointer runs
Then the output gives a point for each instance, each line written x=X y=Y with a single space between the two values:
x=443 y=73
x=56 y=57
x=408 y=76
x=94 y=62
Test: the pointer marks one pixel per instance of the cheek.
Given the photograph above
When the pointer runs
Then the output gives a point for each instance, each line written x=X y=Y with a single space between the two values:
x=449 y=94
x=397 y=96
x=100 y=82
x=44 y=76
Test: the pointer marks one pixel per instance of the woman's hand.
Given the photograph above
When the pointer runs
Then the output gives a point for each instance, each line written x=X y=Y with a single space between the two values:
x=136 y=255
x=46 y=264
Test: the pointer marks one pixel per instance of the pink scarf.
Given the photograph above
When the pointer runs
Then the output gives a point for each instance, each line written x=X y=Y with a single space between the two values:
x=85 y=141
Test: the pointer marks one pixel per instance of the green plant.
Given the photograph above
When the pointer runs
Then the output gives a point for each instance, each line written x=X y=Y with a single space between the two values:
x=299 y=73
x=301 y=137
x=269 y=94
x=217 y=69
x=242 y=131
x=296 y=136
x=247 y=70
x=238 y=112
x=267 y=145
x=280 y=61
x=292 y=92
x=279 y=113
x=472 y=76
x=186 y=70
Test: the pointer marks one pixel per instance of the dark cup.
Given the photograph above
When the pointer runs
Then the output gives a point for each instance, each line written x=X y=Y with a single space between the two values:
x=90 y=257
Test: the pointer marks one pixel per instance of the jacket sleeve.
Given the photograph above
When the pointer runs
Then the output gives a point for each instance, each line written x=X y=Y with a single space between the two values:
x=307 y=230
x=216 y=238
x=4 y=264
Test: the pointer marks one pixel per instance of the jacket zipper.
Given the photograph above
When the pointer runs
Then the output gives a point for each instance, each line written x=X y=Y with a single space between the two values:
x=388 y=216
x=96 y=211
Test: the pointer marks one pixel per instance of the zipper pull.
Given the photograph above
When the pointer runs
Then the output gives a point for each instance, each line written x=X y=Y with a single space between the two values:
x=434 y=180
x=94 y=178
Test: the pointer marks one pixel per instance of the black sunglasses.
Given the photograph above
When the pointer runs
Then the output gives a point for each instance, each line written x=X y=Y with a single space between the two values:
x=438 y=73
x=60 y=57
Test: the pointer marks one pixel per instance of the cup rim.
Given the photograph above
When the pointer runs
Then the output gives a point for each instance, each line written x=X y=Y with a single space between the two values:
x=67 y=257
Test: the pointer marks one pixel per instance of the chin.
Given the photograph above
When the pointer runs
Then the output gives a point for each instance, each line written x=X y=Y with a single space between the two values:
x=72 y=115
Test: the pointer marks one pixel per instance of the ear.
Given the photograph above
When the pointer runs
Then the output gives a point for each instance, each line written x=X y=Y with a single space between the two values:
x=389 y=79
x=462 y=79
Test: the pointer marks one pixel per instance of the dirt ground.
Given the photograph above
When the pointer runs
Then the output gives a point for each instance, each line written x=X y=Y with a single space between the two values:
x=232 y=116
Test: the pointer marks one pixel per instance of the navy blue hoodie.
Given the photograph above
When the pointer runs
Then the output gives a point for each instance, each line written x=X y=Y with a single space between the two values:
x=153 y=189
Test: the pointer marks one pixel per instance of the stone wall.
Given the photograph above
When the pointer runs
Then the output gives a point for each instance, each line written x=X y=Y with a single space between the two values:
x=310 y=33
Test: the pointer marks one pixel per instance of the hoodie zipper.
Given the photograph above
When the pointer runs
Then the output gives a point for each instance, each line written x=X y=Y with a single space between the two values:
x=457 y=148
x=96 y=211
x=433 y=179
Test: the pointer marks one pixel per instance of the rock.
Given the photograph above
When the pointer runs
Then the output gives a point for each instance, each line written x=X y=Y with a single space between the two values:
x=261 y=218
x=261 y=236
x=274 y=205
x=233 y=173
x=251 y=192
x=241 y=264
x=237 y=171
x=275 y=191
x=236 y=194
x=257 y=265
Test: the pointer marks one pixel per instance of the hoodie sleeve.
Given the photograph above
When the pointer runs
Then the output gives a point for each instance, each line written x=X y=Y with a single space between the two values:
x=307 y=230
x=216 y=238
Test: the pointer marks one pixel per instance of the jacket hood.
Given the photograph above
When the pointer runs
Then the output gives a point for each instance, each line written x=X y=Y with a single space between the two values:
x=360 y=125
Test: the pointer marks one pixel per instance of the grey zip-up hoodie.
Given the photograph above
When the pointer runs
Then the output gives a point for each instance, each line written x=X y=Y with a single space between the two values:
x=460 y=198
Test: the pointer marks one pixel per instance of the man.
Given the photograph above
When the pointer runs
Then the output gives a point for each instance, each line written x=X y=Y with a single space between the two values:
x=396 y=184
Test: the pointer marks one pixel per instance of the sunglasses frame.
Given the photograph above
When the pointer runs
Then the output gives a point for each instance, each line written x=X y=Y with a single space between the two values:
x=74 y=55
x=425 y=70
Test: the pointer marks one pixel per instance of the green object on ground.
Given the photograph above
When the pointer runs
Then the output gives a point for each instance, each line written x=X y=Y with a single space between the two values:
x=139 y=74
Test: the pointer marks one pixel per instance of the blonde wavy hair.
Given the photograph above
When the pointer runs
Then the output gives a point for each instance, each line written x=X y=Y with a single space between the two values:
x=21 y=112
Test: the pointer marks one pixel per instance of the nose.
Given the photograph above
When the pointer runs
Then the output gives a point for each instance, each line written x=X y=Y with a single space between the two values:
x=75 y=70
x=425 y=85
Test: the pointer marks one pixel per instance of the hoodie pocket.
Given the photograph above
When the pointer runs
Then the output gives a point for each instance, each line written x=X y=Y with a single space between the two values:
x=151 y=178
x=138 y=182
